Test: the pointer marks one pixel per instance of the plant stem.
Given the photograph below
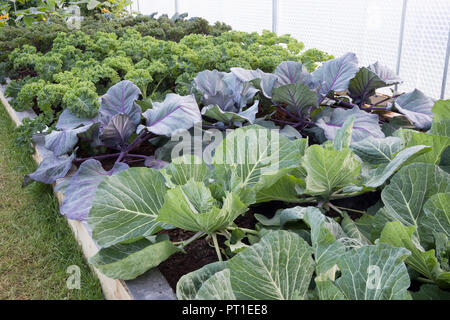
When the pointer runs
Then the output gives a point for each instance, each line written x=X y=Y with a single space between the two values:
x=216 y=246
x=334 y=208
x=384 y=100
x=348 y=209
x=226 y=234
x=284 y=122
x=140 y=139
x=424 y=280
x=102 y=157
x=124 y=153
x=335 y=196
x=243 y=229
x=190 y=240
x=134 y=161
x=121 y=156
x=286 y=112
x=137 y=156
x=374 y=108
x=159 y=82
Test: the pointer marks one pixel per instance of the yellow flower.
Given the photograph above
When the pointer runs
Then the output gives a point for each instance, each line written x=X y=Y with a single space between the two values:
x=104 y=10
x=6 y=17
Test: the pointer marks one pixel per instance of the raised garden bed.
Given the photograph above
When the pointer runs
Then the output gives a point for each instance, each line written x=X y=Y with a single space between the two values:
x=353 y=198
x=238 y=166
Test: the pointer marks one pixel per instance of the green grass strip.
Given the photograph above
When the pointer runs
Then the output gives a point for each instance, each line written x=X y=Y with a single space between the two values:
x=36 y=243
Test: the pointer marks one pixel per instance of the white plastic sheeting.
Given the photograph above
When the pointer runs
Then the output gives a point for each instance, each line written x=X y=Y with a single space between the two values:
x=370 y=28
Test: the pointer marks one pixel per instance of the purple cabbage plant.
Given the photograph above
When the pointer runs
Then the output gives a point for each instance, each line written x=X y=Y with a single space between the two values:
x=117 y=128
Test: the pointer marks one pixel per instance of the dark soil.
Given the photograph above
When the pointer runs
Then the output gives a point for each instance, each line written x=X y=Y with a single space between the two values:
x=201 y=252
x=198 y=254
x=360 y=203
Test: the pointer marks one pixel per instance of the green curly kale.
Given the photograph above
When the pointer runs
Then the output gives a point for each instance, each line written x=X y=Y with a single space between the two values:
x=24 y=57
x=48 y=65
x=27 y=96
x=50 y=97
x=82 y=100
x=141 y=78
x=84 y=65
x=28 y=129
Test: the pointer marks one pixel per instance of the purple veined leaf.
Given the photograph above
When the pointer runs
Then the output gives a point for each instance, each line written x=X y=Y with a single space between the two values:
x=51 y=169
x=241 y=93
x=367 y=80
x=80 y=191
x=364 y=125
x=116 y=134
x=297 y=97
x=336 y=74
x=214 y=90
x=120 y=98
x=210 y=83
x=69 y=127
x=250 y=112
x=214 y=112
x=385 y=74
x=152 y=162
x=247 y=75
x=62 y=142
x=92 y=135
x=174 y=113
x=67 y=120
x=267 y=83
x=289 y=72
x=416 y=107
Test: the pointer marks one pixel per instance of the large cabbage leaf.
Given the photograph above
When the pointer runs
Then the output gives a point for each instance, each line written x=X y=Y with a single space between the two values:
x=364 y=125
x=417 y=107
x=375 y=272
x=80 y=191
x=336 y=74
x=409 y=190
x=189 y=284
x=127 y=261
x=370 y=78
x=225 y=97
x=126 y=206
x=424 y=262
x=192 y=207
x=120 y=98
x=279 y=266
x=256 y=157
x=328 y=170
x=51 y=169
x=174 y=113
x=118 y=131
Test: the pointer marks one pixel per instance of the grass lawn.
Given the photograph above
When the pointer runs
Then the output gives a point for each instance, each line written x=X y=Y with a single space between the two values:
x=36 y=244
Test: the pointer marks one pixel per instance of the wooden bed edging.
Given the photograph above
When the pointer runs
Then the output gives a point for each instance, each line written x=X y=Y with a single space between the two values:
x=150 y=286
